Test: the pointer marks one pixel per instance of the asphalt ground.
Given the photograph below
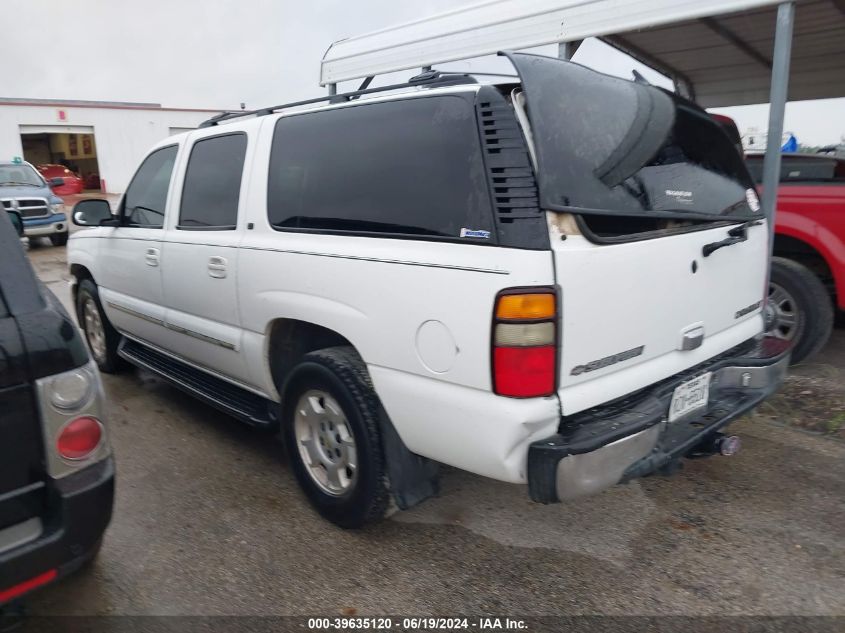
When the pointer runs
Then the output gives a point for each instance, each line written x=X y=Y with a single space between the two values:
x=209 y=521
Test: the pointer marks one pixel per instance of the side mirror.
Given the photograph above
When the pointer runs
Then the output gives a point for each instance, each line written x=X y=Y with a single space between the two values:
x=15 y=217
x=57 y=182
x=93 y=212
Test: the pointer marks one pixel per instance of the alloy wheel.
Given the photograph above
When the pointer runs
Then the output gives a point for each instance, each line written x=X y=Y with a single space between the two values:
x=784 y=319
x=325 y=442
x=94 y=330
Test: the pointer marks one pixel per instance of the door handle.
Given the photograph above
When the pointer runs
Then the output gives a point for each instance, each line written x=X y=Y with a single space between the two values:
x=217 y=267
x=151 y=255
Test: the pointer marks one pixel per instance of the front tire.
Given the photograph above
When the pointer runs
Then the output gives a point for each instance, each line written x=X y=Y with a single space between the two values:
x=331 y=431
x=59 y=239
x=100 y=334
x=800 y=308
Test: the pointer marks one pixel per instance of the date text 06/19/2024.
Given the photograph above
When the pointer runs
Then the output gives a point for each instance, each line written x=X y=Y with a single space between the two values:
x=387 y=623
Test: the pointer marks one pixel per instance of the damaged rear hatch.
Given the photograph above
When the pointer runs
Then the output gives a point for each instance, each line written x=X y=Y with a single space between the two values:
x=659 y=242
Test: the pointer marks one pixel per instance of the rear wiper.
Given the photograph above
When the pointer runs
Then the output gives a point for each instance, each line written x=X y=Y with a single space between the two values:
x=22 y=184
x=737 y=234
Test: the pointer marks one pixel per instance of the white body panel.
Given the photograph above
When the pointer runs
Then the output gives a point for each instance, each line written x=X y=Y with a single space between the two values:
x=617 y=297
x=129 y=277
x=202 y=310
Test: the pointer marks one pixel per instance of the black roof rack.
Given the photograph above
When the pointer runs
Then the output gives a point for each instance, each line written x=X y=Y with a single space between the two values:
x=427 y=78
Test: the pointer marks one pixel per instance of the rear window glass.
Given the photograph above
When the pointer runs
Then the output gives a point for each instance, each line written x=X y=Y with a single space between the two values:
x=610 y=146
x=801 y=168
x=411 y=167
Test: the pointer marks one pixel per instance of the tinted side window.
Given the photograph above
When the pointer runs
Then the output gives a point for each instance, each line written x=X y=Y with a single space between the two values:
x=146 y=197
x=410 y=167
x=213 y=183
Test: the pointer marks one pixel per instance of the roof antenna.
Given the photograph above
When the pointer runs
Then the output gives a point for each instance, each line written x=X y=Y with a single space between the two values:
x=638 y=78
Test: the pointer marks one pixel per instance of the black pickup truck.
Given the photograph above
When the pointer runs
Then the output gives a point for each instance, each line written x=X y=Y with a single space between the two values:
x=56 y=469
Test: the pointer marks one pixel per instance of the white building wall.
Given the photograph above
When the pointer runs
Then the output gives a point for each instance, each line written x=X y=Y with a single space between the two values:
x=122 y=135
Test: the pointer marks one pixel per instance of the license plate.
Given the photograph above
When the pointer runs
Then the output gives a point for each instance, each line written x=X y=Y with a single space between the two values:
x=689 y=396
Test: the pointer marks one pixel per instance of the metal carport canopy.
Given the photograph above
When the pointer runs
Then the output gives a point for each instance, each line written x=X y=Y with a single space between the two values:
x=718 y=51
x=726 y=60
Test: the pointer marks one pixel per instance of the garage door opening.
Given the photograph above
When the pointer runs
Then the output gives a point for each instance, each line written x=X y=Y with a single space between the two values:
x=71 y=155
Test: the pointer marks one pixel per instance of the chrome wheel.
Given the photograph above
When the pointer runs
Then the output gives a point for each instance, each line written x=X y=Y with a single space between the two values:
x=94 y=330
x=325 y=442
x=784 y=318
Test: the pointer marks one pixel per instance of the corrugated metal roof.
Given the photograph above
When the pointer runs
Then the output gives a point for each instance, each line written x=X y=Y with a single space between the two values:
x=727 y=58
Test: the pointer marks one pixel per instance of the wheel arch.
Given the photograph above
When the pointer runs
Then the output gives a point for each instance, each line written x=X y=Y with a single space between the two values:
x=288 y=340
x=79 y=272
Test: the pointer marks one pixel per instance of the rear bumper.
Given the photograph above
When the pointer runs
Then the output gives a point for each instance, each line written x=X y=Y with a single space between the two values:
x=56 y=223
x=80 y=507
x=632 y=438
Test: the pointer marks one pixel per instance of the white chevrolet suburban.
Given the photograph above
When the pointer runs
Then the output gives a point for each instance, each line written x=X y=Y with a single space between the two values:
x=555 y=281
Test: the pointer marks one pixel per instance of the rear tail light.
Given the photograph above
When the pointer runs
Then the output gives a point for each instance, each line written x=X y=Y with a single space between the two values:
x=524 y=353
x=71 y=407
x=79 y=438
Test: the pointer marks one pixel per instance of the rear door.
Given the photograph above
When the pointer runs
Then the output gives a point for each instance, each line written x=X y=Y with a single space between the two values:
x=129 y=271
x=200 y=264
x=658 y=239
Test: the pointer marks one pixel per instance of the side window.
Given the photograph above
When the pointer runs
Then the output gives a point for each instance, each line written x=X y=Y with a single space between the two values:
x=411 y=167
x=213 y=183
x=146 y=197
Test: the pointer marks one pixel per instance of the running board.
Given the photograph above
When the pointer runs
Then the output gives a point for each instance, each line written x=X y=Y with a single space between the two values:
x=237 y=402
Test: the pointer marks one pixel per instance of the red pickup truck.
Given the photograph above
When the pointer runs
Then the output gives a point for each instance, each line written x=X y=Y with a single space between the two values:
x=808 y=270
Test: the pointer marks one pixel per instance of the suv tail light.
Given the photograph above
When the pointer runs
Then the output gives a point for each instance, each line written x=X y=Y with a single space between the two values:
x=525 y=342
x=79 y=437
x=71 y=407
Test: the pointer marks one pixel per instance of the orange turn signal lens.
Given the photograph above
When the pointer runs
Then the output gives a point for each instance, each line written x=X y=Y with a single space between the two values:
x=526 y=306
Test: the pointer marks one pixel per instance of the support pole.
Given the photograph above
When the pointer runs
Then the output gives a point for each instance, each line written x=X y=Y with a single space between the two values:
x=777 y=105
x=565 y=50
x=332 y=90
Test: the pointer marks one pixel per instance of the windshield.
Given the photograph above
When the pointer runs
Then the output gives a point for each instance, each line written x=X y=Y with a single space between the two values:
x=610 y=146
x=19 y=175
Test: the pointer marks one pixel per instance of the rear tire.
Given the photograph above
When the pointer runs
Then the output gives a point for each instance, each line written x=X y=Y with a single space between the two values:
x=100 y=334
x=59 y=239
x=802 y=309
x=331 y=431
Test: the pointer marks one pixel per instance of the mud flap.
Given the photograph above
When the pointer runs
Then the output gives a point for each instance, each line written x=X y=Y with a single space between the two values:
x=413 y=478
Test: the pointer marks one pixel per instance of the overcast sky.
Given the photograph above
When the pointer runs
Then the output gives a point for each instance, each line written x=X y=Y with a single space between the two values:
x=192 y=53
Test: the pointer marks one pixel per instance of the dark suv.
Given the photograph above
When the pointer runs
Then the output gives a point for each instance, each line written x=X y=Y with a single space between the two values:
x=56 y=469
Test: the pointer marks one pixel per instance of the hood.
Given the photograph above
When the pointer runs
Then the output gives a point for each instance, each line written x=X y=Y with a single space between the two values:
x=22 y=191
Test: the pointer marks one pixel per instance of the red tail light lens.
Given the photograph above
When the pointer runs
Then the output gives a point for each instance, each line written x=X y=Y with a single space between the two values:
x=79 y=438
x=523 y=372
x=525 y=343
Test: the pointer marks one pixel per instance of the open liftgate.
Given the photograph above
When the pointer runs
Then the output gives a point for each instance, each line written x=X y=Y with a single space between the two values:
x=718 y=52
